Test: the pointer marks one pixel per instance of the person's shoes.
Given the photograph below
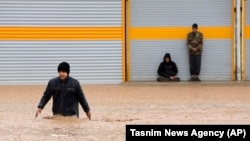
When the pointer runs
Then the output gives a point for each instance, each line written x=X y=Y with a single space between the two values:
x=198 y=79
x=166 y=79
x=162 y=79
x=192 y=78
x=159 y=79
x=176 y=79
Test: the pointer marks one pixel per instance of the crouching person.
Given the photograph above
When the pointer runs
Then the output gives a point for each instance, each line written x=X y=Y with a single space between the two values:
x=167 y=70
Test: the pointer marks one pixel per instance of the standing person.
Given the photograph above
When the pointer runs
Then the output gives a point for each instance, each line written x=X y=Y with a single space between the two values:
x=66 y=92
x=167 y=69
x=195 y=45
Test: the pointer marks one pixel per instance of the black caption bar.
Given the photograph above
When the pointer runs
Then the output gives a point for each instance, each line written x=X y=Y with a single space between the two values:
x=188 y=132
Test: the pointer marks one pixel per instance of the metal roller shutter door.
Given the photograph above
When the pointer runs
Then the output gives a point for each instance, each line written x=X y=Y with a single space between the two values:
x=146 y=54
x=95 y=55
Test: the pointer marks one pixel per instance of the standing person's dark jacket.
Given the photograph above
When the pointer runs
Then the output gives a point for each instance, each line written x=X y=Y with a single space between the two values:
x=167 y=69
x=66 y=95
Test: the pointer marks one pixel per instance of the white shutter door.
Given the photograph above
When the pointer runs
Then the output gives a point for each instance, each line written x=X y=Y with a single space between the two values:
x=33 y=61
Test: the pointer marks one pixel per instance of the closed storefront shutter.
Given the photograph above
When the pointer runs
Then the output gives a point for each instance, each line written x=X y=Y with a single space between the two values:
x=35 y=36
x=156 y=27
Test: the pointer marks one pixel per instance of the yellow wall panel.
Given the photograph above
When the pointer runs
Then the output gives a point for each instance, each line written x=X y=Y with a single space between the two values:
x=61 y=33
x=247 y=32
x=141 y=33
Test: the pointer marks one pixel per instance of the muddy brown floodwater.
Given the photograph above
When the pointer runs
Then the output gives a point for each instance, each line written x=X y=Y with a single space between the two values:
x=114 y=106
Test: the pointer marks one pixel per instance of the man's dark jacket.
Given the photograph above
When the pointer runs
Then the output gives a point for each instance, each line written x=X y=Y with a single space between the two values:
x=66 y=96
x=167 y=69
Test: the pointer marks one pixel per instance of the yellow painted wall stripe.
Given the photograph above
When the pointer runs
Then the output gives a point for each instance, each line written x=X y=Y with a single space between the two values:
x=247 y=32
x=141 y=33
x=61 y=33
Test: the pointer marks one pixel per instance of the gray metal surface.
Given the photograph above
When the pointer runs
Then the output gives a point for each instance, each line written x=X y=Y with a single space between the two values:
x=247 y=43
x=60 y=12
x=34 y=62
x=247 y=13
x=180 y=12
x=247 y=59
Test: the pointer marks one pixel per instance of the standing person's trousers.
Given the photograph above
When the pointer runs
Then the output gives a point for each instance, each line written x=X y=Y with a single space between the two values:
x=195 y=64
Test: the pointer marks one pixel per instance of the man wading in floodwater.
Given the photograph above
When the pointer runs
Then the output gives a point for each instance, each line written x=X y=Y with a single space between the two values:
x=66 y=92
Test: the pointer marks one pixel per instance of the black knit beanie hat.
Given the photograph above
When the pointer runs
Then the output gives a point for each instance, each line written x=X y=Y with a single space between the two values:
x=195 y=25
x=63 y=66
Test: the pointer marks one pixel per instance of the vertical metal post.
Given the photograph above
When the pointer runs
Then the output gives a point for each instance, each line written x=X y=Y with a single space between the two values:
x=238 y=39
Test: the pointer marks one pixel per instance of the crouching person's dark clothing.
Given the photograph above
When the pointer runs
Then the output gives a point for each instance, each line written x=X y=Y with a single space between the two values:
x=66 y=96
x=168 y=70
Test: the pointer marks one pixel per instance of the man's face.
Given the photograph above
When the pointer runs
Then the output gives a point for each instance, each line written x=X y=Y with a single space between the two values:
x=167 y=59
x=62 y=75
x=194 y=29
